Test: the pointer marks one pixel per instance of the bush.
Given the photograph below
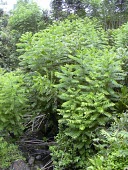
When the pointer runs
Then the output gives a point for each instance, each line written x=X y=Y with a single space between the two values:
x=25 y=17
x=43 y=53
x=113 y=145
x=8 y=153
x=121 y=36
x=47 y=50
x=88 y=89
x=13 y=101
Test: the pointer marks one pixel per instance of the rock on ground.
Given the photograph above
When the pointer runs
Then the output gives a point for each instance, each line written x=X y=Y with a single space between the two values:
x=19 y=165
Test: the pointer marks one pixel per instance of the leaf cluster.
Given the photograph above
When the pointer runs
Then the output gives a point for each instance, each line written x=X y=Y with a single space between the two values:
x=8 y=153
x=113 y=145
x=25 y=17
x=13 y=101
x=73 y=73
x=87 y=89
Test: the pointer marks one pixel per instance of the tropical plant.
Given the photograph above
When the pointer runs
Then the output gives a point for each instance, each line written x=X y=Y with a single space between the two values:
x=121 y=36
x=25 y=17
x=88 y=89
x=13 y=101
x=46 y=51
x=8 y=153
x=43 y=53
x=120 y=42
x=71 y=79
x=113 y=146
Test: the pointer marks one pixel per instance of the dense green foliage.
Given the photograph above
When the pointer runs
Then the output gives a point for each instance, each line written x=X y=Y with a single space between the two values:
x=39 y=63
x=113 y=146
x=26 y=17
x=8 y=153
x=87 y=89
x=8 y=58
x=51 y=47
x=67 y=80
x=12 y=97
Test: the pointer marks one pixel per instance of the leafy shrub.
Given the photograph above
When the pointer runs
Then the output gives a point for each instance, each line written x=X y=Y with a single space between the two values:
x=13 y=101
x=25 y=17
x=42 y=102
x=121 y=36
x=121 y=46
x=122 y=104
x=88 y=89
x=43 y=53
x=89 y=81
x=8 y=59
x=113 y=145
x=47 y=50
x=8 y=153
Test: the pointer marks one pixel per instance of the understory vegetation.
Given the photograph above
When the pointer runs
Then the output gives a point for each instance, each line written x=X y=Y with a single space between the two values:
x=66 y=77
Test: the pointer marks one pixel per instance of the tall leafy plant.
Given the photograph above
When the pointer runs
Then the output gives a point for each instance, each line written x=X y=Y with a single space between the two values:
x=88 y=89
x=8 y=153
x=113 y=147
x=41 y=113
x=13 y=101
x=43 y=53
x=47 y=50
x=120 y=37
x=25 y=17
